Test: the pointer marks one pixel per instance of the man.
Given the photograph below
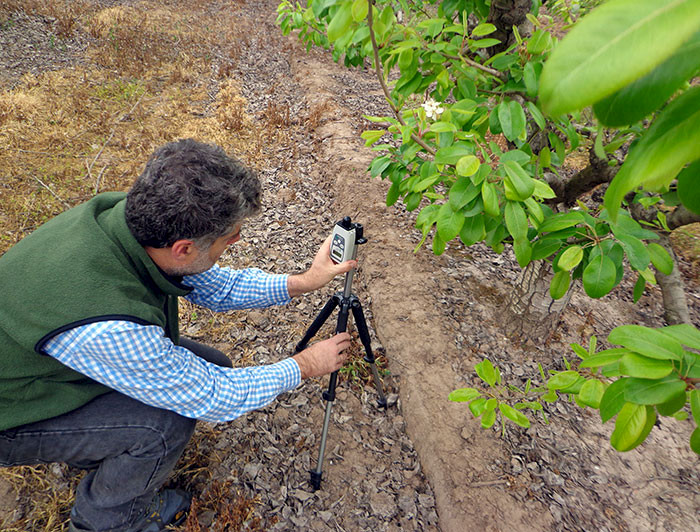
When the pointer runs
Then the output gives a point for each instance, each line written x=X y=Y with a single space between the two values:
x=93 y=372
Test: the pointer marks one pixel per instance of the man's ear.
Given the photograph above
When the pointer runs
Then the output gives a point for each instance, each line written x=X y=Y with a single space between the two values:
x=182 y=249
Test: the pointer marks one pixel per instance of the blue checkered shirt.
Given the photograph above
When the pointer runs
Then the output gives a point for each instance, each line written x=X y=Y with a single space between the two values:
x=141 y=362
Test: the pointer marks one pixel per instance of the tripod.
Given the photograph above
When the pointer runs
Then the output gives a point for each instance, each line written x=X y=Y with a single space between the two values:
x=347 y=302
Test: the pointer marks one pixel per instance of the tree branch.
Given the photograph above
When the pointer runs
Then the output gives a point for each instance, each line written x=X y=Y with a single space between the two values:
x=382 y=82
x=681 y=216
x=569 y=190
x=500 y=75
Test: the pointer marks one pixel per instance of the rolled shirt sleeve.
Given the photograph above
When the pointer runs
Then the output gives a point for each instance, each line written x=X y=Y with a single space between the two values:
x=139 y=361
x=221 y=289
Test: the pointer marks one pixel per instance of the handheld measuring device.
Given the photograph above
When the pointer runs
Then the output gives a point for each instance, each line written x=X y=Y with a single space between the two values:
x=346 y=236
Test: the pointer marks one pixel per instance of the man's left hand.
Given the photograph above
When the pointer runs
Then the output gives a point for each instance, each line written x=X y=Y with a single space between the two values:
x=321 y=272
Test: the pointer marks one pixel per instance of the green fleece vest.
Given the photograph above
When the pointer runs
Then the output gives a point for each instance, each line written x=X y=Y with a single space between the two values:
x=81 y=267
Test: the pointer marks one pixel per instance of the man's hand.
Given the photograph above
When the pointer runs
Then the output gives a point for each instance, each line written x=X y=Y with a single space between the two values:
x=321 y=272
x=323 y=357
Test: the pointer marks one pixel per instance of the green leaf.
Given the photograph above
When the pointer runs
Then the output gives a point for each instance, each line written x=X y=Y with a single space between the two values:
x=695 y=405
x=632 y=426
x=646 y=94
x=483 y=29
x=473 y=230
x=372 y=135
x=449 y=222
x=484 y=43
x=442 y=127
x=452 y=154
x=487 y=372
x=648 y=342
x=340 y=23
x=542 y=189
x=530 y=80
x=379 y=165
x=570 y=258
x=560 y=284
x=613 y=399
x=673 y=405
x=592 y=393
x=515 y=416
x=477 y=406
x=520 y=181
x=639 y=287
x=691 y=365
x=539 y=42
x=599 y=277
x=661 y=153
x=512 y=119
x=561 y=221
x=488 y=419
x=689 y=187
x=516 y=220
x=611 y=47
x=695 y=441
x=360 y=9
x=660 y=258
x=684 y=333
x=653 y=391
x=464 y=395
x=643 y=367
x=635 y=250
x=467 y=165
x=537 y=116
x=629 y=426
x=488 y=193
x=604 y=358
x=438 y=244
x=562 y=380
x=523 y=251
x=462 y=192
x=626 y=225
x=545 y=247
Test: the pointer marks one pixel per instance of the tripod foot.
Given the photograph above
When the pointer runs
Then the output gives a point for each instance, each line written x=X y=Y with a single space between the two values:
x=381 y=403
x=316 y=480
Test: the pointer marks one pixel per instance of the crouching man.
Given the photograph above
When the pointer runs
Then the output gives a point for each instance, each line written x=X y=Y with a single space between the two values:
x=93 y=371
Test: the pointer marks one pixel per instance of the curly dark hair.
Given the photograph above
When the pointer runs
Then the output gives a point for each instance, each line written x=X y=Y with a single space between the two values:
x=192 y=190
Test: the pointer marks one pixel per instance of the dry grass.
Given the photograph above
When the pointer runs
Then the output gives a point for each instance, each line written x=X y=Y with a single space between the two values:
x=154 y=71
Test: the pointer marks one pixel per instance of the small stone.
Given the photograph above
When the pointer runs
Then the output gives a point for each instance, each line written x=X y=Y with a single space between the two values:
x=426 y=501
x=407 y=504
x=383 y=505
x=252 y=469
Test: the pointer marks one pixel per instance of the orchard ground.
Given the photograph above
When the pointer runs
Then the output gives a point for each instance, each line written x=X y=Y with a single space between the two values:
x=85 y=102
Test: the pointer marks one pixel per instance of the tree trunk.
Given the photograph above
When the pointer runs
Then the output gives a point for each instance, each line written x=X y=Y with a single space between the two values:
x=672 y=291
x=531 y=313
x=505 y=14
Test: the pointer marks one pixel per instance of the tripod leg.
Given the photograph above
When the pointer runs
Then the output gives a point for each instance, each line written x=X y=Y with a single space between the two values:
x=329 y=396
x=366 y=342
x=317 y=474
x=317 y=323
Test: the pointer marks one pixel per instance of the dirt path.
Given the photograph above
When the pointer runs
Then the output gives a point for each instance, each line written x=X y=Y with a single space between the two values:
x=424 y=464
x=548 y=478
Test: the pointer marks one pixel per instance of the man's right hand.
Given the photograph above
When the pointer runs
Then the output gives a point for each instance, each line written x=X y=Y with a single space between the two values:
x=323 y=357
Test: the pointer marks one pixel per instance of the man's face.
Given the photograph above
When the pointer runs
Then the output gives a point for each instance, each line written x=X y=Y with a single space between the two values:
x=203 y=259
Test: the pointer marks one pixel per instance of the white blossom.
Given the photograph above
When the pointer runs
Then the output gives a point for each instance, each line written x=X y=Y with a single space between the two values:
x=432 y=109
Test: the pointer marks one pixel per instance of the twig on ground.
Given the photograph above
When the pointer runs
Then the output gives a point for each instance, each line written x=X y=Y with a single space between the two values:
x=486 y=483
x=114 y=130
x=47 y=187
x=99 y=177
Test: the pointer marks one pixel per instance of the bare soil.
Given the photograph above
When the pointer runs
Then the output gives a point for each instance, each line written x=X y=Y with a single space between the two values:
x=424 y=463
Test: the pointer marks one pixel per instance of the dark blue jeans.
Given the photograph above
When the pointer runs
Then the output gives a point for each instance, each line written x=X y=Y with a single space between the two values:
x=128 y=448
